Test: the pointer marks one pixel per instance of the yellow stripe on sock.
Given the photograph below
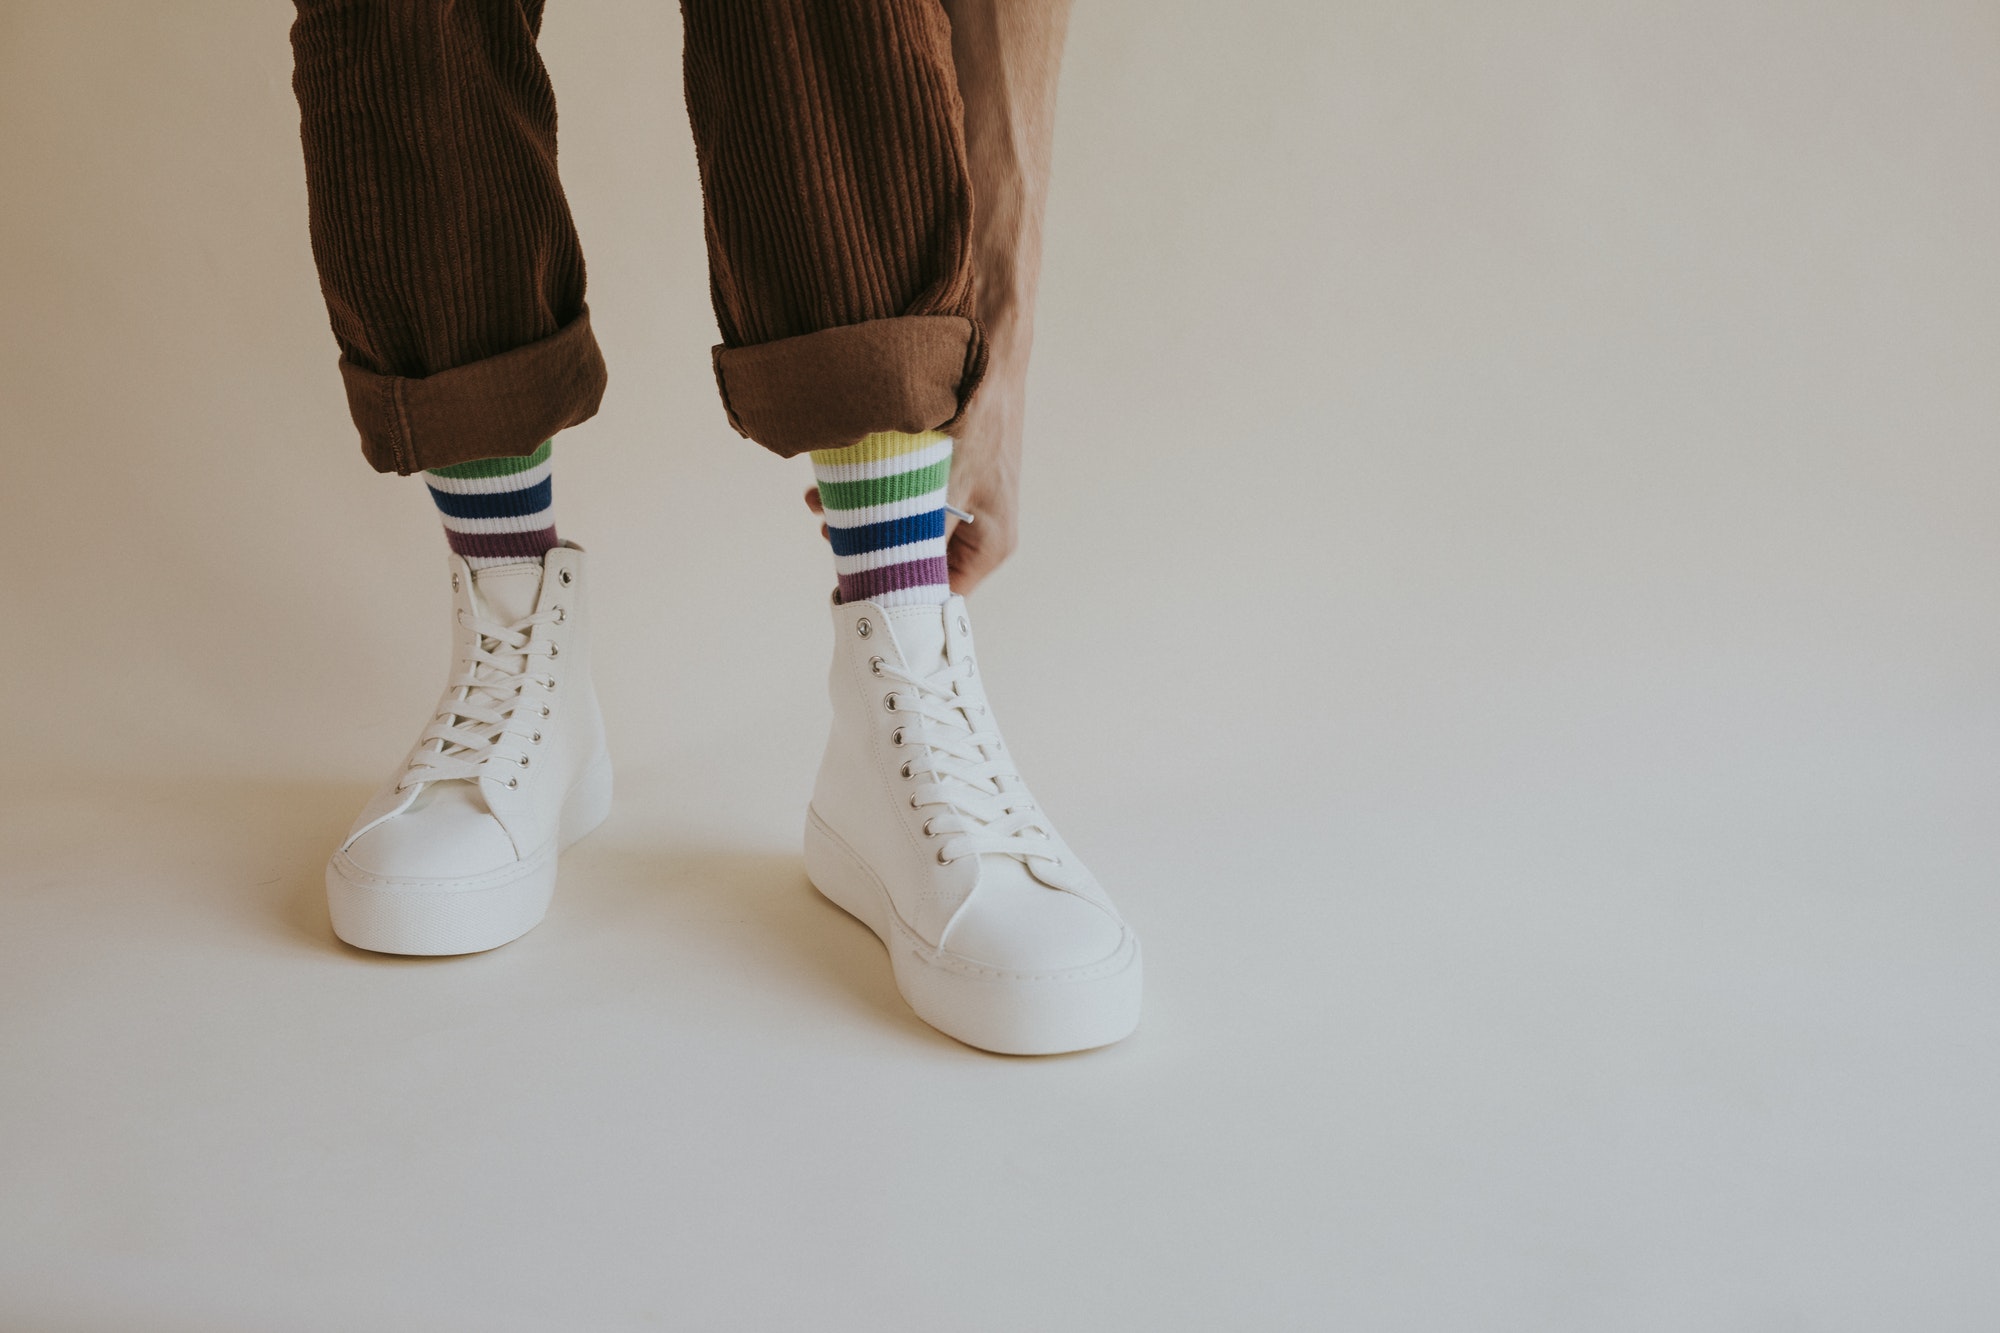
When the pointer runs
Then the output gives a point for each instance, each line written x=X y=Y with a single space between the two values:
x=882 y=444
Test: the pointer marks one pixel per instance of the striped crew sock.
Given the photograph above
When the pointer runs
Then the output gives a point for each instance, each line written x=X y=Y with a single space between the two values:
x=884 y=507
x=497 y=511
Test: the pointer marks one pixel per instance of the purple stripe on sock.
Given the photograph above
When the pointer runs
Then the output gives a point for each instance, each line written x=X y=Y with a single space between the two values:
x=502 y=545
x=893 y=578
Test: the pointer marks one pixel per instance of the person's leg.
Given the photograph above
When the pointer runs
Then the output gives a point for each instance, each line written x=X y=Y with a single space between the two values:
x=840 y=225
x=1007 y=55
x=454 y=282
x=452 y=272
x=497 y=511
x=884 y=504
x=838 y=209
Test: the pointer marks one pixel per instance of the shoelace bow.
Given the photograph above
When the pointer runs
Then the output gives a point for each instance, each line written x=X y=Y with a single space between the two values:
x=986 y=805
x=464 y=738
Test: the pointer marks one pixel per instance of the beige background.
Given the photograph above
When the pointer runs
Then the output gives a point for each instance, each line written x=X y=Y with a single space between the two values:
x=1508 y=604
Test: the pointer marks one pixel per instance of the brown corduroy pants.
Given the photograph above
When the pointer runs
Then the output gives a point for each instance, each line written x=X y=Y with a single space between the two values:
x=842 y=144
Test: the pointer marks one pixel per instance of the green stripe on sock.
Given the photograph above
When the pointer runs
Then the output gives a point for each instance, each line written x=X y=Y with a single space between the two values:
x=881 y=490
x=495 y=467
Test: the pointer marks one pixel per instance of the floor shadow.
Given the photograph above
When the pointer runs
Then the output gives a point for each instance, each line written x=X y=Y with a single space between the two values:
x=758 y=906
x=216 y=859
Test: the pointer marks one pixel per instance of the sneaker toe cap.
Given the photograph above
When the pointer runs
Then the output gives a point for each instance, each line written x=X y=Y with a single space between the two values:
x=447 y=834
x=1018 y=925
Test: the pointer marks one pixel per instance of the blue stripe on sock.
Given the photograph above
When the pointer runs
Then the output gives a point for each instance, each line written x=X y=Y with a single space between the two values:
x=499 y=504
x=880 y=536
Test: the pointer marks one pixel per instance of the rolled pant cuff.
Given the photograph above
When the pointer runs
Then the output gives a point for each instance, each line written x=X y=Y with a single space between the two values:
x=827 y=389
x=494 y=408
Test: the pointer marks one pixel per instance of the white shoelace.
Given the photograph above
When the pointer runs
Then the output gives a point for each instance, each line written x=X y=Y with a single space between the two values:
x=985 y=804
x=463 y=739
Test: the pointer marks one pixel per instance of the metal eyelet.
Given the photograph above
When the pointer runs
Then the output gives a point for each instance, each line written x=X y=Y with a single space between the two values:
x=454 y=582
x=545 y=710
x=524 y=761
x=863 y=627
x=963 y=628
x=943 y=860
x=535 y=739
x=512 y=783
x=550 y=684
x=929 y=832
x=875 y=665
x=913 y=802
x=561 y=615
x=906 y=770
x=555 y=651
x=889 y=702
x=563 y=577
x=896 y=736
x=971 y=667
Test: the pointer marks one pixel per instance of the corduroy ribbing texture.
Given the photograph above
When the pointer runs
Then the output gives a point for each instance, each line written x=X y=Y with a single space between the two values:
x=838 y=201
x=838 y=210
x=439 y=227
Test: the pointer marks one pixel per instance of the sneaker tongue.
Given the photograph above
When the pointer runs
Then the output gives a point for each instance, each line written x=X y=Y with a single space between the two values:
x=919 y=632
x=508 y=592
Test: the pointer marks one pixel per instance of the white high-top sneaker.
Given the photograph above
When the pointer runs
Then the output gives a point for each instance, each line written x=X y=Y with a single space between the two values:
x=457 y=852
x=921 y=828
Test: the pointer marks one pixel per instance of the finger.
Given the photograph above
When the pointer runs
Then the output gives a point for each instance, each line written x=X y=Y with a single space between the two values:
x=813 y=501
x=963 y=581
x=966 y=563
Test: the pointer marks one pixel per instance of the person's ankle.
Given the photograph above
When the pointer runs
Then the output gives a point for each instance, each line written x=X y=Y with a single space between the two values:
x=884 y=504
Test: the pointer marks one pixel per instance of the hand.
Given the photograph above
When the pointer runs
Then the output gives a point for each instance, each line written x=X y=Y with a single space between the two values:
x=986 y=483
